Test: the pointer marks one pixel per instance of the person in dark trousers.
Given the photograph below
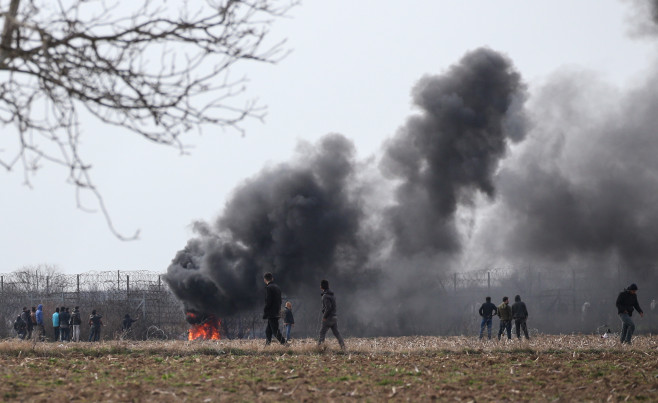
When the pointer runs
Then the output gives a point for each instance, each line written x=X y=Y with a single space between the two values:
x=64 y=324
x=95 y=324
x=56 y=324
x=20 y=327
x=329 y=315
x=126 y=325
x=520 y=316
x=28 y=321
x=487 y=311
x=272 y=310
x=626 y=302
x=288 y=319
x=505 y=315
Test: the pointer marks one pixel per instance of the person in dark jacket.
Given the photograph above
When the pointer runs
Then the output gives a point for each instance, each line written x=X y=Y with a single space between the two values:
x=288 y=319
x=75 y=321
x=20 y=327
x=64 y=324
x=272 y=311
x=95 y=323
x=626 y=302
x=505 y=315
x=487 y=311
x=28 y=321
x=520 y=316
x=329 y=315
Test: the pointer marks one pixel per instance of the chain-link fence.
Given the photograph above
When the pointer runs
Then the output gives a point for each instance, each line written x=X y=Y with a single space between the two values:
x=141 y=294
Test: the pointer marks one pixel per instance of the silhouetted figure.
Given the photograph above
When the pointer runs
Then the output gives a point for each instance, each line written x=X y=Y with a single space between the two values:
x=20 y=327
x=505 y=315
x=487 y=311
x=28 y=322
x=520 y=315
x=272 y=310
x=95 y=324
x=626 y=302
x=329 y=315
x=64 y=324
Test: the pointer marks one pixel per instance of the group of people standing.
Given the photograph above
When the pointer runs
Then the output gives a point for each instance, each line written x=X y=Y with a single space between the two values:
x=66 y=324
x=626 y=303
x=517 y=312
x=272 y=313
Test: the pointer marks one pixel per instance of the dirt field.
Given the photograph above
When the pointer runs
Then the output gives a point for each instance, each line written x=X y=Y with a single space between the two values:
x=547 y=368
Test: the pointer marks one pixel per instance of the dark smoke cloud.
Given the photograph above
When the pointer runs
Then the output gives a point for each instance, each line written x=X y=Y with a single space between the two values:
x=298 y=221
x=583 y=188
x=451 y=150
x=644 y=21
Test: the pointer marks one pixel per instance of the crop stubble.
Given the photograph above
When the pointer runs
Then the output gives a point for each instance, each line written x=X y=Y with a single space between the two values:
x=407 y=368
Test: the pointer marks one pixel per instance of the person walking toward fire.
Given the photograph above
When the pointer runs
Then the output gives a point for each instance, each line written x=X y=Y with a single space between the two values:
x=626 y=301
x=288 y=319
x=505 y=315
x=329 y=315
x=272 y=310
x=487 y=311
x=520 y=315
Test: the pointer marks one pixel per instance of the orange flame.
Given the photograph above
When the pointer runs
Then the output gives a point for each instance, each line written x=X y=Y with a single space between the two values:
x=207 y=330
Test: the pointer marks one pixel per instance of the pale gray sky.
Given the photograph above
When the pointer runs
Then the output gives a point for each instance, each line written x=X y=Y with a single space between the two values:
x=351 y=70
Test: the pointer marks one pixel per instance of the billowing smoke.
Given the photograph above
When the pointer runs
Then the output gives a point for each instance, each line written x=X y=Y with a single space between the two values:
x=645 y=17
x=451 y=150
x=297 y=220
x=583 y=187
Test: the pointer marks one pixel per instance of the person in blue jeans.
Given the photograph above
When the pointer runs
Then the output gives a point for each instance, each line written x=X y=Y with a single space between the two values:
x=288 y=319
x=487 y=311
x=626 y=302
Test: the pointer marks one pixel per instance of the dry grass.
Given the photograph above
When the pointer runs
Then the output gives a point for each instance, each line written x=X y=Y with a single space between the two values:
x=546 y=368
x=378 y=345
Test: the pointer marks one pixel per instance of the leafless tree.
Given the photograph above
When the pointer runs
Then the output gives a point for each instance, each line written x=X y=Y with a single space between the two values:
x=156 y=68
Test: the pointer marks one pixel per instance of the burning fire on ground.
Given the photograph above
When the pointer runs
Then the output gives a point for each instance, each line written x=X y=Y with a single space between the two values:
x=204 y=327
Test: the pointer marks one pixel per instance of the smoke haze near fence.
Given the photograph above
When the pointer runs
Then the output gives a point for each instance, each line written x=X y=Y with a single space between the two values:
x=487 y=174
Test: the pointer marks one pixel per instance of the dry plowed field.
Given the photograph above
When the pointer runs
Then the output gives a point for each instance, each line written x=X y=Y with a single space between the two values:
x=546 y=368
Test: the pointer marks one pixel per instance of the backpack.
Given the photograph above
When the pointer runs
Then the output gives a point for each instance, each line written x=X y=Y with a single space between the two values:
x=75 y=318
x=19 y=324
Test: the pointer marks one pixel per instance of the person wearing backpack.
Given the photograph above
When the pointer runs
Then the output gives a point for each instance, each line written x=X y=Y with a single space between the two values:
x=20 y=327
x=75 y=322
x=28 y=322
x=95 y=323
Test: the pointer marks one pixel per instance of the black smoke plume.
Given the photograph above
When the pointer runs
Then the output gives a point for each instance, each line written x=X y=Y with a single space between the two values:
x=297 y=220
x=451 y=150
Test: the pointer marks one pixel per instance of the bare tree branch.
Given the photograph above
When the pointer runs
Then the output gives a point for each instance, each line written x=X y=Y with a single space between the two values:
x=154 y=68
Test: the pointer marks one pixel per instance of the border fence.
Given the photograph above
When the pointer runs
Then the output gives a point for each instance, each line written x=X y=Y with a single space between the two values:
x=141 y=294
x=562 y=300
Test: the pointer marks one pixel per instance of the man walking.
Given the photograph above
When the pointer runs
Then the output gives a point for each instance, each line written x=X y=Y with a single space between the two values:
x=272 y=310
x=520 y=315
x=95 y=323
x=505 y=315
x=329 y=315
x=64 y=325
x=487 y=311
x=626 y=301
